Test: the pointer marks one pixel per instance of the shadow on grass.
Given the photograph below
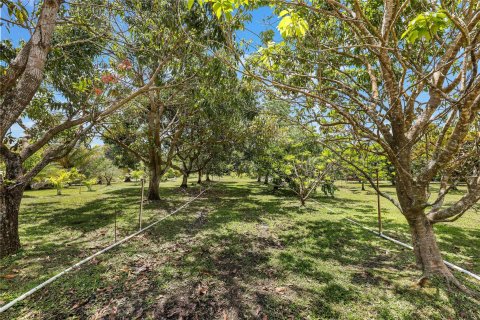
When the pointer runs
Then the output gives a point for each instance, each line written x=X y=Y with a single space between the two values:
x=242 y=252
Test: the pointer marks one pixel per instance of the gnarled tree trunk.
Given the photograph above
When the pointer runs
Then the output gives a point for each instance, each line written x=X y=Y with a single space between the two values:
x=184 y=181
x=427 y=254
x=154 y=185
x=9 y=208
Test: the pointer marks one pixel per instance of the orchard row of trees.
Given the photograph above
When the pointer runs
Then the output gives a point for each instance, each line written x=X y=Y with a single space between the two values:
x=129 y=71
x=395 y=79
x=353 y=88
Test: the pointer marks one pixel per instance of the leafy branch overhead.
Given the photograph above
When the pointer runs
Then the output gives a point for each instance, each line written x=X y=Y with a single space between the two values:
x=291 y=25
x=426 y=25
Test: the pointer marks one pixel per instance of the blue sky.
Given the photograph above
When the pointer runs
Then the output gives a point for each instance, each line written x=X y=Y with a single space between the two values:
x=262 y=19
x=15 y=34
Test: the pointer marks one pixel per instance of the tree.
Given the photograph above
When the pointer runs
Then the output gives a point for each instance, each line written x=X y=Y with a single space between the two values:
x=305 y=171
x=137 y=174
x=52 y=81
x=289 y=154
x=63 y=177
x=89 y=183
x=365 y=71
x=109 y=171
x=93 y=163
x=162 y=114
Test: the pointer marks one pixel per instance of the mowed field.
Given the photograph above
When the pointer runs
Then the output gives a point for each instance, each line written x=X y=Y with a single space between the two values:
x=240 y=251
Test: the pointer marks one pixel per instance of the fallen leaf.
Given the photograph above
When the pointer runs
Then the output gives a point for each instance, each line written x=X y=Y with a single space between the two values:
x=140 y=269
x=9 y=276
x=280 y=289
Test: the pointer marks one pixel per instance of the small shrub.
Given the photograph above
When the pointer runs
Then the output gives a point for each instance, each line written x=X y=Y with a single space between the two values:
x=89 y=183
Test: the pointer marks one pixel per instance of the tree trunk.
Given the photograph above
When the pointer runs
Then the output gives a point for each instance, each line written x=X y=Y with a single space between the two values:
x=259 y=178
x=59 y=192
x=184 y=181
x=109 y=181
x=199 y=181
x=363 y=185
x=427 y=254
x=266 y=179
x=127 y=179
x=9 y=208
x=208 y=177
x=302 y=201
x=154 y=186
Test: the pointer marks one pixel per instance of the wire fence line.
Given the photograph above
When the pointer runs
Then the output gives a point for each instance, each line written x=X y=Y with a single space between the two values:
x=78 y=264
x=384 y=236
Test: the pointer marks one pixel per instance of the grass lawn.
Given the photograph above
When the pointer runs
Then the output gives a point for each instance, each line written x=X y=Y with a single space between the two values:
x=239 y=252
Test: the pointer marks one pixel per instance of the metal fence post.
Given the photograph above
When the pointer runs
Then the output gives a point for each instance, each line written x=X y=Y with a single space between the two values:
x=141 y=206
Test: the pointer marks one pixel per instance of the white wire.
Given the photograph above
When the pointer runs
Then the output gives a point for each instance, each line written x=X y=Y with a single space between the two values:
x=449 y=264
x=78 y=264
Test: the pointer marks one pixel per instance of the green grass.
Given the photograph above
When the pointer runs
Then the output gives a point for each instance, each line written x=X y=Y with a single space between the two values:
x=239 y=252
x=459 y=240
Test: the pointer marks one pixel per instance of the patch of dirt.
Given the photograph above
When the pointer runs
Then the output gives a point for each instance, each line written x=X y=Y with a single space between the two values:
x=201 y=300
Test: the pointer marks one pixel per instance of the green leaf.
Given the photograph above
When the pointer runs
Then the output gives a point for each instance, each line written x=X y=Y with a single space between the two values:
x=426 y=25
x=217 y=8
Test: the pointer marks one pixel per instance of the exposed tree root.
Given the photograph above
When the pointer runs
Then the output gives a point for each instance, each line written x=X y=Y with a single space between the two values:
x=446 y=277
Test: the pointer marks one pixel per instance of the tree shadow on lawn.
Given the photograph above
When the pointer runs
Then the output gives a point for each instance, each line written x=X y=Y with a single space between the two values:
x=49 y=245
x=232 y=265
x=240 y=262
x=383 y=266
x=240 y=278
x=221 y=208
x=237 y=271
x=455 y=242
x=243 y=269
x=92 y=215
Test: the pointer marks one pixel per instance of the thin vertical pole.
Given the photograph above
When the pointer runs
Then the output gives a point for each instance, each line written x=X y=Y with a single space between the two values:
x=378 y=194
x=378 y=207
x=141 y=206
x=116 y=211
